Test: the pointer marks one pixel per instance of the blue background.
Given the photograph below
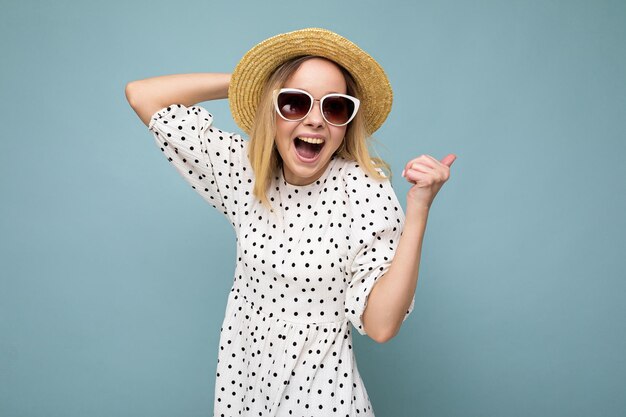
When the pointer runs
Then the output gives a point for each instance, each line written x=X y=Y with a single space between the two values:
x=114 y=273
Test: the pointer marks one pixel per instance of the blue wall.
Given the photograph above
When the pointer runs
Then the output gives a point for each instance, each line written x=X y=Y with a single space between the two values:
x=114 y=273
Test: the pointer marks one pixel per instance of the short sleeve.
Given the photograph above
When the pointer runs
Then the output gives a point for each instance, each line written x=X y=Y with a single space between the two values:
x=210 y=160
x=377 y=224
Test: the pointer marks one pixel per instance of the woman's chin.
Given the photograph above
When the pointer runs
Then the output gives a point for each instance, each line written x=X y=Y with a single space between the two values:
x=303 y=172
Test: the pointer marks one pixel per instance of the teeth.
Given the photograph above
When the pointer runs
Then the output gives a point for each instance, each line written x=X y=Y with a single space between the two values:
x=311 y=140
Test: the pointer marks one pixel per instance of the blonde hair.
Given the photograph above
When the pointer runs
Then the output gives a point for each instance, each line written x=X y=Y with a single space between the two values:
x=263 y=154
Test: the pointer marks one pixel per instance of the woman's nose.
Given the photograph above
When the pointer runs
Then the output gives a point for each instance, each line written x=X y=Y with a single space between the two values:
x=314 y=118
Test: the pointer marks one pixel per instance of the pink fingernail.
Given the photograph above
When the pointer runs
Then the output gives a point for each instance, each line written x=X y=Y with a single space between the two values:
x=403 y=173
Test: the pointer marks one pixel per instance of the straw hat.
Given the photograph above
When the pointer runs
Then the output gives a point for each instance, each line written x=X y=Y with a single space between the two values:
x=256 y=66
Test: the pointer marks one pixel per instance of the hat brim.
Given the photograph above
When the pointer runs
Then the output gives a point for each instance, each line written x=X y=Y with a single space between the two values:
x=256 y=66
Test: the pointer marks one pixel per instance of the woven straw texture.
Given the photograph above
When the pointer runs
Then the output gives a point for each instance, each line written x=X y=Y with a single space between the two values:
x=258 y=63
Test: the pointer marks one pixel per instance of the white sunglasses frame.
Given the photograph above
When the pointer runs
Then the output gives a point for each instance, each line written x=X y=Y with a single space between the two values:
x=355 y=100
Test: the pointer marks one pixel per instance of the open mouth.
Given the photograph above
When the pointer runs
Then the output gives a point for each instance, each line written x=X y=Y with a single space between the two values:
x=308 y=148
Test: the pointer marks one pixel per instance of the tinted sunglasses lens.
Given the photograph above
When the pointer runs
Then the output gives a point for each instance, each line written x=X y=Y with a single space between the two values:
x=293 y=105
x=338 y=110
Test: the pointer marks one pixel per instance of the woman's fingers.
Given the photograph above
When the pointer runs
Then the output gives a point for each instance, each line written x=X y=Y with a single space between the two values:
x=426 y=163
x=433 y=160
x=415 y=176
x=427 y=176
x=418 y=168
x=422 y=159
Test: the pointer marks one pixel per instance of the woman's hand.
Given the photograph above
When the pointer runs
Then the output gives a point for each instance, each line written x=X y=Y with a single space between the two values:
x=428 y=176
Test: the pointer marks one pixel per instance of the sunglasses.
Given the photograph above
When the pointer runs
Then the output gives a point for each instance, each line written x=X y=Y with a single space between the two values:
x=294 y=105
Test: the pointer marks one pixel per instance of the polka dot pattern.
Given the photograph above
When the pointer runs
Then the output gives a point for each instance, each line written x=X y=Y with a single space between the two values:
x=303 y=274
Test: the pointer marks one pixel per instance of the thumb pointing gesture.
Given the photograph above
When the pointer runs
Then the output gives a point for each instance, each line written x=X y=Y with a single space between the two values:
x=427 y=175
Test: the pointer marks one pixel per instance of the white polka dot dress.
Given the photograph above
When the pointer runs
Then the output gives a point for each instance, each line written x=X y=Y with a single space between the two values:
x=303 y=273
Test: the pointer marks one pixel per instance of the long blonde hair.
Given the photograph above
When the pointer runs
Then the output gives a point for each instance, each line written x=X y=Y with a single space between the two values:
x=263 y=154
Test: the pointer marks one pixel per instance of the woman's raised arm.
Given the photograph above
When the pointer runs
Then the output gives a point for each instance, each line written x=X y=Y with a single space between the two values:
x=151 y=94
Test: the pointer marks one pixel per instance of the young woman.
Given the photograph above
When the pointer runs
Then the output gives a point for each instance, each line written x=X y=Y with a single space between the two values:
x=322 y=241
